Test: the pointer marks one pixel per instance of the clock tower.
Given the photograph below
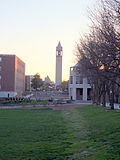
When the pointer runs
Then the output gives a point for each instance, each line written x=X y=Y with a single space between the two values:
x=58 y=74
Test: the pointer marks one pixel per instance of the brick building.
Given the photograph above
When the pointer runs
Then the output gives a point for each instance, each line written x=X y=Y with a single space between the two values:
x=12 y=76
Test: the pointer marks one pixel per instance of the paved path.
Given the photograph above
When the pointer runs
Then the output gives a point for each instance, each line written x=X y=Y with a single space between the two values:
x=116 y=106
x=54 y=107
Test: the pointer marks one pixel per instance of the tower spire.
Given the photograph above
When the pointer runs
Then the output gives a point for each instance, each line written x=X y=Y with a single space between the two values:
x=59 y=47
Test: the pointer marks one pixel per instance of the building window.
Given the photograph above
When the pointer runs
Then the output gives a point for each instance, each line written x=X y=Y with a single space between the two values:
x=71 y=79
x=0 y=77
x=0 y=68
x=88 y=80
x=71 y=93
x=79 y=80
x=0 y=86
x=0 y=59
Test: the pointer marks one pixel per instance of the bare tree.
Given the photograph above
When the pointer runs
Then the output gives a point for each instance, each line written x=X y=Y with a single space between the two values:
x=99 y=53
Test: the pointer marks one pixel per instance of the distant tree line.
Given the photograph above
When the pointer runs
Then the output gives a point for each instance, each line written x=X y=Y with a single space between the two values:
x=99 y=53
x=39 y=85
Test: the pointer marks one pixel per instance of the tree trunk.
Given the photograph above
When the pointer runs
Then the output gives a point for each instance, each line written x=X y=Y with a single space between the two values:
x=112 y=96
x=104 y=97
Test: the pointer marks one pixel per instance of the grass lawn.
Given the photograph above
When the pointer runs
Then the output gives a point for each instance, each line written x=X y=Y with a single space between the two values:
x=86 y=133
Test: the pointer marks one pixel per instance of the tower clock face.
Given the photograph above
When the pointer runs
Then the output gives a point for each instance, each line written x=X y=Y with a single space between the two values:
x=59 y=54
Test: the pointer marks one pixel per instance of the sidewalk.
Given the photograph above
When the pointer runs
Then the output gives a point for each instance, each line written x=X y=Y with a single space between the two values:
x=116 y=106
x=82 y=102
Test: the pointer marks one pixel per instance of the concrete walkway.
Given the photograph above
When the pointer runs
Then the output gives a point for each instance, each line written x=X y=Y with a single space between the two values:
x=74 y=105
x=116 y=106
x=10 y=107
x=54 y=107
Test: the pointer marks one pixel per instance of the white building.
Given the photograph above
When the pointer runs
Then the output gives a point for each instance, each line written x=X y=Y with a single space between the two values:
x=79 y=87
x=58 y=74
x=28 y=82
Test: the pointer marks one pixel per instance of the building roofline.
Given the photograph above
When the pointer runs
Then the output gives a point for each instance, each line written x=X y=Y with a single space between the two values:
x=14 y=56
x=7 y=55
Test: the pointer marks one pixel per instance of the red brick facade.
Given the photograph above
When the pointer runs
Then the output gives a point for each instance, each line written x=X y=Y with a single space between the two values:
x=12 y=74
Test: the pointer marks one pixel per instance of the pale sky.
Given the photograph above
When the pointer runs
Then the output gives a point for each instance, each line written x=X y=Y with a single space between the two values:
x=31 y=29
